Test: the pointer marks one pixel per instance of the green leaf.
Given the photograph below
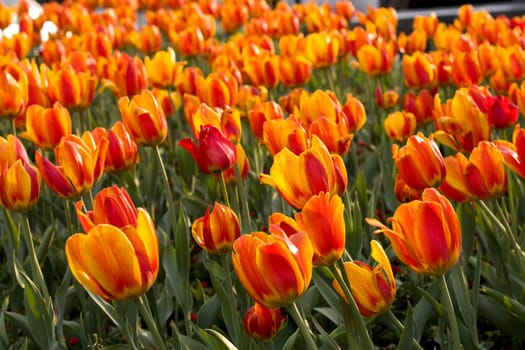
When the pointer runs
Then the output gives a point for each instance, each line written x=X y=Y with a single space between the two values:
x=107 y=308
x=328 y=342
x=510 y=304
x=222 y=338
x=405 y=340
x=290 y=342
x=4 y=339
x=328 y=294
x=209 y=312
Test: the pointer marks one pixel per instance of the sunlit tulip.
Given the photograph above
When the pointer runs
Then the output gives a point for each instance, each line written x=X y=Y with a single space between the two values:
x=334 y=134
x=162 y=69
x=322 y=49
x=274 y=269
x=501 y=112
x=46 y=126
x=80 y=163
x=13 y=91
x=373 y=288
x=233 y=15
x=400 y=125
x=242 y=164
x=404 y=193
x=382 y=20
x=284 y=133
x=512 y=61
x=170 y=102
x=189 y=41
x=514 y=152
x=261 y=323
x=425 y=234
x=294 y=71
x=11 y=150
x=216 y=230
x=419 y=70
x=419 y=162
x=428 y=24
x=386 y=99
x=354 y=112
x=213 y=153
x=122 y=152
x=262 y=112
x=316 y=105
x=455 y=186
x=187 y=84
x=378 y=58
x=20 y=186
x=144 y=118
x=18 y=43
x=125 y=75
x=420 y=105
x=148 y=39
x=466 y=68
x=53 y=51
x=413 y=42
x=262 y=69
x=485 y=174
x=116 y=263
x=74 y=90
x=218 y=89
x=314 y=171
x=322 y=218
x=228 y=121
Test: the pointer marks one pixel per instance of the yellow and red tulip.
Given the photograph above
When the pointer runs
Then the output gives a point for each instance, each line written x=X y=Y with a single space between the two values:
x=455 y=185
x=262 y=112
x=400 y=125
x=514 y=152
x=262 y=323
x=284 y=133
x=13 y=91
x=425 y=234
x=485 y=174
x=163 y=70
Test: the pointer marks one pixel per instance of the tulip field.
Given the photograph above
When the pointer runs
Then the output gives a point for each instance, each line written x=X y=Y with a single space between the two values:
x=235 y=174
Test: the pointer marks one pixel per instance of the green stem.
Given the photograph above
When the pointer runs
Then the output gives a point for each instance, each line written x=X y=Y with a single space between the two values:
x=303 y=327
x=357 y=322
x=453 y=323
x=145 y=311
x=165 y=179
x=234 y=315
x=241 y=189
x=35 y=265
x=69 y=221
x=224 y=190
x=401 y=327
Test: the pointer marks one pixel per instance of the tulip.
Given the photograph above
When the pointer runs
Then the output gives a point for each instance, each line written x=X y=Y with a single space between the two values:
x=274 y=270
x=334 y=134
x=13 y=91
x=514 y=152
x=373 y=288
x=45 y=127
x=144 y=118
x=163 y=70
x=219 y=89
x=262 y=112
x=419 y=162
x=455 y=186
x=187 y=82
x=419 y=70
x=322 y=49
x=420 y=105
x=322 y=218
x=122 y=152
x=20 y=186
x=261 y=323
x=387 y=99
x=501 y=112
x=428 y=24
x=116 y=263
x=229 y=122
x=316 y=105
x=413 y=42
x=425 y=234
x=354 y=113
x=74 y=90
x=214 y=151
x=242 y=164
x=485 y=174
x=294 y=71
x=376 y=59
x=314 y=171
x=262 y=69
x=11 y=150
x=80 y=163
x=400 y=125
x=126 y=76
x=148 y=39
x=466 y=68
x=216 y=231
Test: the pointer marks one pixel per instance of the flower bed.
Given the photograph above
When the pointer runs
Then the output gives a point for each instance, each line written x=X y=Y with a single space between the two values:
x=235 y=176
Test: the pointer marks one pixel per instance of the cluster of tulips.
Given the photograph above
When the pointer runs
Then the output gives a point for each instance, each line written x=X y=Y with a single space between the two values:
x=247 y=176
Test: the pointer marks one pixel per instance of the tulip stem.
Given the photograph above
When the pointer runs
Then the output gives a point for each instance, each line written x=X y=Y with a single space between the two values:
x=246 y=221
x=356 y=323
x=231 y=305
x=145 y=311
x=303 y=327
x=453 y=323
x=35 y=265
x=224 y=190
x=400 y=327
x=165 y=179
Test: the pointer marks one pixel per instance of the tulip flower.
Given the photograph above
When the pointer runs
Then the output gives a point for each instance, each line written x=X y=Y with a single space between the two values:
x=20 y=185
x=322 y=49
x=144 y=118
x=262 y=112
x=514 y=152
x=262 y=69
x=125 y=75
x=466 y=68
x=420 y=105
x=404 y=193
x=299 y=177
x=419 y=70
x=80 y=163
x=242 y=164
x=122 y=152
x=261 y=323
x=163 y=70
x=425 y=234
x=11 y=150
x=455 y=186
x=485 y=174
x=400 y=125
x=13 y=91
x=294 y=71
x=228 y=121
x=378 y=58
x=214 y=151
x=419 y=162
x=216 y=231
x=322 y=218
x=274 y=269
x=501 y=112
x=74 y=90
x=354 y=112
x=373 y=288
x=115 y=262
x=387 y=99
x=45 y=127
x=219 y=89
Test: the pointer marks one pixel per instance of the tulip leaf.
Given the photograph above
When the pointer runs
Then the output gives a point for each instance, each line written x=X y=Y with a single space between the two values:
x=423 y=309
x=222 y=338
x=328 y=342
x=209 y=312
x=290 y=342
x=328 y=294
x=4 y=338
x=510 y=304
x=330 y=314
x=108 y=309
x=459 y=290
x=46 y=243
x=405 y=340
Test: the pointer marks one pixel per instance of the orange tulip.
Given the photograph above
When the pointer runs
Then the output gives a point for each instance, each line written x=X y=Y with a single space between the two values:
x=284 y=133
x=425 y=234
x=214 y=151
x=512 y=61
x=228 y=121
x=11 y=150
x=162 y=70
x=387 y=99
x=485 y=174
x=13 y=91
x=274 y=269
x=242 y=163
x=261 y=323
x=373 y=288
x=262 y=69
x=148 y=39
x=413 y=42
x=322 y=218
x=189 y=41
x=354 y=112
x=20 y=186
x=334 y=134
x=218 y=89
x=400 y=125
x=122 y=153
x=125 y=75
x=216 y=231
x=314 y=171
x=419 y=104
x=322 y=49
x=455 y=186
x=45 y=127
x=428 y=24
x=262 y=112
x=294 y=71
x=378 y=58
x=115 y=262
x=514 y=152
x=74 y=90
x=419 y=162
x=419 y=70
x=80 y=163
x=466 y=68
x=144 y=118
x=405 y=193
x=187 y=84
